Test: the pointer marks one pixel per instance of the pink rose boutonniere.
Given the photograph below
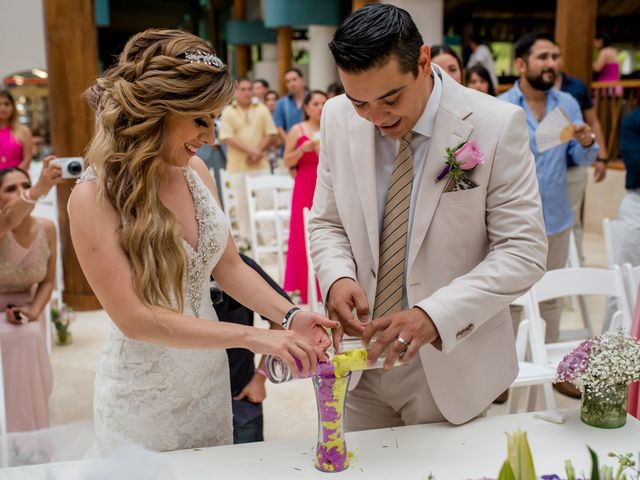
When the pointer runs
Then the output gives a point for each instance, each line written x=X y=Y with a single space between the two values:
x=461 y=160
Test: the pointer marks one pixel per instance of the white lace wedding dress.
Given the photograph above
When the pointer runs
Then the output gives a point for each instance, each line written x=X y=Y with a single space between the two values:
x=168 y=398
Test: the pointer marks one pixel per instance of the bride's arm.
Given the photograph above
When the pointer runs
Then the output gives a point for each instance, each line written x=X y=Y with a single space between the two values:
x=93 y=223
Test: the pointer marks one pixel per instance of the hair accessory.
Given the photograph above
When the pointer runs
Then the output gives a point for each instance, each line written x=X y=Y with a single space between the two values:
x=203 y=57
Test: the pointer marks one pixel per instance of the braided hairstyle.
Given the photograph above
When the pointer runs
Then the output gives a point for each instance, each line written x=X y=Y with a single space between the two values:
x=152 y=79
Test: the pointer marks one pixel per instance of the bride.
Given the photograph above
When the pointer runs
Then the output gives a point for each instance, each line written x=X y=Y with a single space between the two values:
x=148 y=232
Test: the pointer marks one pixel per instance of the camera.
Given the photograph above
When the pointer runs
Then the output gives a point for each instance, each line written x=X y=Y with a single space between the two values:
x=71 y=166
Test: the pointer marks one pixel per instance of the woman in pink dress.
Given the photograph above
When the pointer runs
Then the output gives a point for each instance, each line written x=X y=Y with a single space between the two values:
x=634 y=388
x=27 y=276
x=301 y=152
x=607 y=65
x=15 y=139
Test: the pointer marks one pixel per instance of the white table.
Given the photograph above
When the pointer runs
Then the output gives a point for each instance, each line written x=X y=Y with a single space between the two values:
x=470 y=451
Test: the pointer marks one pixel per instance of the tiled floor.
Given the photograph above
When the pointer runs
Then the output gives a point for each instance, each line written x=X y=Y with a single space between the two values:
x=289 y=409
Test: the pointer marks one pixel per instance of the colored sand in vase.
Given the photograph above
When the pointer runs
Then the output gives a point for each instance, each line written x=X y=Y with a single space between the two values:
x=331 y=451
x=331 y=381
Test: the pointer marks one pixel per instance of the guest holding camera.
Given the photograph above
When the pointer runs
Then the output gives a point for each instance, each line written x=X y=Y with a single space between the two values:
x=27 y=276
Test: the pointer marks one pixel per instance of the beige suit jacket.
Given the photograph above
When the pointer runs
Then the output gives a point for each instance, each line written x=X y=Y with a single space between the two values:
x=471 y=253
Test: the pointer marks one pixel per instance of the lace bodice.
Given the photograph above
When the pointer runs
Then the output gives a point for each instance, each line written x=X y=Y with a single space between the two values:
x=22 y=268
x=167 y=398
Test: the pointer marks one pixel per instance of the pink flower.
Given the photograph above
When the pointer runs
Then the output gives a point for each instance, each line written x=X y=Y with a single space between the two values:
x=469 y=155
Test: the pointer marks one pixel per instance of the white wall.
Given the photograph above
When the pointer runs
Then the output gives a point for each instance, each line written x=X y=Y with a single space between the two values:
x=322 y=68
x=428 y=16
x=22 y=45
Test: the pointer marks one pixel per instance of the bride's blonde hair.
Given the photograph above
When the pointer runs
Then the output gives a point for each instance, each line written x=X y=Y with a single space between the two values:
x=152 y=78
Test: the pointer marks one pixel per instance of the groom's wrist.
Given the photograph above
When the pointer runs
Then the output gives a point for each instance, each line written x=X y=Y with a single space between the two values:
x=432 y=330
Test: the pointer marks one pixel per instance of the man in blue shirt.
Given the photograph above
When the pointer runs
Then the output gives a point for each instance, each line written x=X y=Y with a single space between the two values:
x=535 y=59
x=288 y=110
x=577 y=174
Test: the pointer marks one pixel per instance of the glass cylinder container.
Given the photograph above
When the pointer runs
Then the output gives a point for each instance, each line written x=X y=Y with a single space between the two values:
x=353 y=357
x=606 y=409
x=331 y=449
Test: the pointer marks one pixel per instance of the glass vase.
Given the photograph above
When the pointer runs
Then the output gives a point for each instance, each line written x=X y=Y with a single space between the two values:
x=64 y=338
x=607 y=409
x=331 y=449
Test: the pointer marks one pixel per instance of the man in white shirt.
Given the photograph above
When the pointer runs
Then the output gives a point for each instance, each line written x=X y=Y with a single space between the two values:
x=482 y=55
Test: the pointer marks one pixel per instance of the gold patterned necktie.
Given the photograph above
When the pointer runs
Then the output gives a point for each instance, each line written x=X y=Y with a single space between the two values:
x=393 y=239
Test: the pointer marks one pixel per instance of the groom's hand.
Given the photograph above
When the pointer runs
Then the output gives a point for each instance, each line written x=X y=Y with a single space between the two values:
x=413 y=326
x=345 y=295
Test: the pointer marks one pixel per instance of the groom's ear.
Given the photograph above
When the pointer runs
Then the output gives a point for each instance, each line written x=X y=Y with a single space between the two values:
x=424 y=60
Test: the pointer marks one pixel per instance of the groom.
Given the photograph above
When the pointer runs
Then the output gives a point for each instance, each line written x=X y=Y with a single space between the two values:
x=434 y=264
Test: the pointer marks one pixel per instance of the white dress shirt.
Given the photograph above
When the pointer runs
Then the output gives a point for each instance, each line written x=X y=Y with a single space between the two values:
x=387 y=148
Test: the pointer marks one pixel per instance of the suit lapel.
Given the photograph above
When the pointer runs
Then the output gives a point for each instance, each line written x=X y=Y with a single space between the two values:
x=449 y=130
x=362 y=149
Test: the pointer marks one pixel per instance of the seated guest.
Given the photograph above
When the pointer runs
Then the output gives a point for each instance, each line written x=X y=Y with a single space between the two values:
x=479 y=79
x=444 y=56
x=27 y=276
x=247 y=382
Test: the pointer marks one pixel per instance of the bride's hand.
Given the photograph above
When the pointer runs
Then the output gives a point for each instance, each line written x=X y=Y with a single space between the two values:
x=313 y=328
x=299 y=353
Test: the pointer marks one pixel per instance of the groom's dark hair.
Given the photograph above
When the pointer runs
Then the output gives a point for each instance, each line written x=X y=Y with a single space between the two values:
x=371 y=34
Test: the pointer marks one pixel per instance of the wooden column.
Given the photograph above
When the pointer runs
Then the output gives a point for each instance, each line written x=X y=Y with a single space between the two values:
x=243 y=52
x=284 y=55
x=575 y=30
x=72 y=62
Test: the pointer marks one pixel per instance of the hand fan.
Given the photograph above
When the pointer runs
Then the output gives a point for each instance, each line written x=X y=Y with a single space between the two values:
x=554 y=129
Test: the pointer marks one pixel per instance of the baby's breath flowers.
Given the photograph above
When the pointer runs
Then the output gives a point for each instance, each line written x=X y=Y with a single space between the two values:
x=602 y=362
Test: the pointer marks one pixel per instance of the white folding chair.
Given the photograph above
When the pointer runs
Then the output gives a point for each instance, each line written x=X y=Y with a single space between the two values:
x=312 y=292
x=282 y=207
x=580 y=281
x=578 y=303
x=228 y=200
x=534 y=369
x=47 y=207
x=631 y=276
x=273 y=215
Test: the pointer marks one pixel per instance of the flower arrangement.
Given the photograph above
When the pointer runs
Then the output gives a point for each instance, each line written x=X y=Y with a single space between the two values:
x=519 y=465
x=460 y=159
x=602 y=367
x=61 y=317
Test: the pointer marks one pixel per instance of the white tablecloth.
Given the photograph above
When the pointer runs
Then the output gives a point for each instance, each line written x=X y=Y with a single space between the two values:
x=473 y=450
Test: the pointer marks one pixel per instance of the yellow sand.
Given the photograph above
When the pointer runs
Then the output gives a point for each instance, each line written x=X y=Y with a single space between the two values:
x=352 y=360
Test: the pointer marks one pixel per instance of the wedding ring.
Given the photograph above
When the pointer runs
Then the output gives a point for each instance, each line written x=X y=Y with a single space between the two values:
x=403 y=341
